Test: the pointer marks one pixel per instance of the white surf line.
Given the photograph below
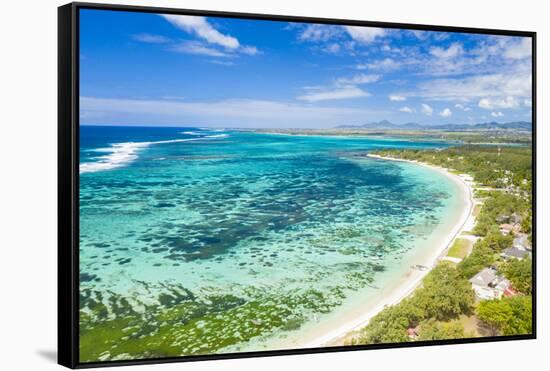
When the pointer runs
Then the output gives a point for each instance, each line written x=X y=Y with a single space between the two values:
x=121 y=154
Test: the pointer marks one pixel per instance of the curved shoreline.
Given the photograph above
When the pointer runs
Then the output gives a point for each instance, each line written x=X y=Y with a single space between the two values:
x=413 y=278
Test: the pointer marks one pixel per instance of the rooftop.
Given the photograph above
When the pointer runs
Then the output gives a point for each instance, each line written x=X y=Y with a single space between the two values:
x=488 y=277
x=514 y=252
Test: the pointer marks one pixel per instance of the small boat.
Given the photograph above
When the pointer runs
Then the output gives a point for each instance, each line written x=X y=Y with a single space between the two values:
x=419 y=267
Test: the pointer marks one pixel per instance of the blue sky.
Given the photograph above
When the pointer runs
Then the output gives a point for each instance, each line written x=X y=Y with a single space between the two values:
x=172 y=70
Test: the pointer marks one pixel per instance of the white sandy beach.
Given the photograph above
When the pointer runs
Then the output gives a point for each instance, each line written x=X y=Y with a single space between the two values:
x=335 y=335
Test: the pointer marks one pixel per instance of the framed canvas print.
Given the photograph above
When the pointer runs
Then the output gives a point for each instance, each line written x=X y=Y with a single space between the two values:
x=236 y=185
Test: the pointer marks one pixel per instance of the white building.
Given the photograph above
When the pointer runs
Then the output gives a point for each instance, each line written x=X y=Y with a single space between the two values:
x=488 y=285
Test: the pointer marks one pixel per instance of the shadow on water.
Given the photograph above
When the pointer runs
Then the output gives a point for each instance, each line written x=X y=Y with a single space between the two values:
x=50 y=355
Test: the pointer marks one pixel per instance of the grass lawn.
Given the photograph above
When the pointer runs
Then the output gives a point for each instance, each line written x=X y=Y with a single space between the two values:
x=477 y=209
x=469 y=324
x=460 y=248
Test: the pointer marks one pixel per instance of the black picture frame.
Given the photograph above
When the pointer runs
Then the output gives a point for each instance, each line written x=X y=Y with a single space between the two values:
x=68 y=181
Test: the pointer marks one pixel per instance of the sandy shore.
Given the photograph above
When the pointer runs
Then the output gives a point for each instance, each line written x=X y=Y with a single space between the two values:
x=408 y=283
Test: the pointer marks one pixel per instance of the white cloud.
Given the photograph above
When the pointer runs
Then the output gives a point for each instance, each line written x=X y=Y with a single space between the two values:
x=424 y=35
x=222 y=62
x=497 y=114
x=200 y=27
x=421 y=35
x=397 y=98
x=489 y=103
x=515 y=84
x=462 y=107
x=358 y=79
x=364 y=35
x=345 y=92
x=386 y=64
x=249 y=50
x=342 y=88
x=151 y=39
x=453 y=51
x=198 y=48
x=519 y=50
x=426 y=109
x=446 y=113
x=332 y=48
x=406 y=109
x=528 y=103
x=237 y=112
x=319 y=32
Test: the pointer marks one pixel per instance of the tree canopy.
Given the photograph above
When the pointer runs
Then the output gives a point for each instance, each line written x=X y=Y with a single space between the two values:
x=507 y=316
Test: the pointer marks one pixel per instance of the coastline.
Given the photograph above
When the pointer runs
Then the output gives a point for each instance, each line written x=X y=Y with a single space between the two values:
x=411 y=280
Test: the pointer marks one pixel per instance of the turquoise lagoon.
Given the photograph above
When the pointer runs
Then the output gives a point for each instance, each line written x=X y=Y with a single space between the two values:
x=200 y=241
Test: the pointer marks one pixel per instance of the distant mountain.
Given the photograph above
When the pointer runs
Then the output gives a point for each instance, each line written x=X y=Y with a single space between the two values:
x=385 y=124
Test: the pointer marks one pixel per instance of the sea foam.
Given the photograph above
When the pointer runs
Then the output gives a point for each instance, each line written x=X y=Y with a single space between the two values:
x=121 y=154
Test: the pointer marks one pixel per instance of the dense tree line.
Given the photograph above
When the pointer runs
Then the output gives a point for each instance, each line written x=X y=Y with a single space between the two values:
x=443 y=296
x=498 y=205
x=507 y=316
x=493 y=166
x=446 y=292
x=520 y=274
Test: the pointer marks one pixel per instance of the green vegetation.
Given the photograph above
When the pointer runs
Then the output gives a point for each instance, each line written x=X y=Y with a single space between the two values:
x=435 y=308
x=444 y=296
x=500 y=205
x=433 y=330
x=495 y=240
x=519 y=272
x=480 y=258
x=477 y=209
x=460 y=248
x=492 y=166
x=485 y=252
x=186 y=325
x=508 y=316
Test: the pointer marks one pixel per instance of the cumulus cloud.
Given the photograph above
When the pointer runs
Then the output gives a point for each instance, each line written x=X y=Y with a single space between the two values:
x=453 y=51
x=426 y=109
x=421 y=35
x=345 y=92
x=424 y=35
x=249 y=50
x=520 y=49
x=496 y=86
x=397 y=98
x=489 y=103
x=364 y=35
x=446 y=113
x=462 y=107
x=319 y=32
x=497 y=114
x=406 y=109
